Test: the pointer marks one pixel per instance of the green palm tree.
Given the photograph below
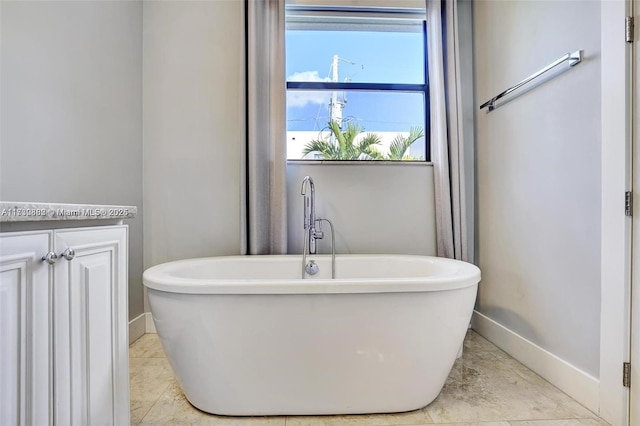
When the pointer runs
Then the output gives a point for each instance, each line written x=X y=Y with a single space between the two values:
x=345 y=146
x=400 y=145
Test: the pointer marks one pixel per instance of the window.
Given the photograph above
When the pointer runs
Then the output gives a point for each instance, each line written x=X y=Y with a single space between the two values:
x=356 y=84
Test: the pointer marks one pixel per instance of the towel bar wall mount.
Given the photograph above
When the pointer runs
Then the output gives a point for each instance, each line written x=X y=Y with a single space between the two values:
x=575 y=58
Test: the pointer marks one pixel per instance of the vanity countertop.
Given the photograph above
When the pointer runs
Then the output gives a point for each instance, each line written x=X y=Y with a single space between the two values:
x=22 y=211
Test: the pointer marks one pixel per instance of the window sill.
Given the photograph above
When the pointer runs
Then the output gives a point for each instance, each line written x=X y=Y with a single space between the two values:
x=359 y=163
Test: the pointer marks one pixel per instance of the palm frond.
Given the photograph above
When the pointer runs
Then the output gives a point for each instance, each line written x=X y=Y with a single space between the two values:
x=371 y=153
x=352 y=132
x=337 y=133
x=368 y=140
x=326 y=149
x=368 y=147
x=401 y=144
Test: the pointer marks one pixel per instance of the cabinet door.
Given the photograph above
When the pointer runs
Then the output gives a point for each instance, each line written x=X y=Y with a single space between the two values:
x=91 y=384
x=25 y=352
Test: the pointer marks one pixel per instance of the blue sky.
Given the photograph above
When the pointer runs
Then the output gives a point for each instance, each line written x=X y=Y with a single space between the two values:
x=378 y=57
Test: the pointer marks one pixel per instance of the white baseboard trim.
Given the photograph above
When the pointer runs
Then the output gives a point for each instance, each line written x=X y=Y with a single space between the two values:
x=150 y=327
x=137 y=327
x=579 y=385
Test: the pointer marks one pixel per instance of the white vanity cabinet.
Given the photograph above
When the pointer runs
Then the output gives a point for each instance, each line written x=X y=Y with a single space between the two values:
x=25 y=333
x=63 y=327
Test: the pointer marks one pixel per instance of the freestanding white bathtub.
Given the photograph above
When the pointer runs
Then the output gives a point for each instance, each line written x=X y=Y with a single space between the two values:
x=245 y=335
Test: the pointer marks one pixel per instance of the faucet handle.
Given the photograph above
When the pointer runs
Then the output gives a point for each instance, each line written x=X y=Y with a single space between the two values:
x=317 y=232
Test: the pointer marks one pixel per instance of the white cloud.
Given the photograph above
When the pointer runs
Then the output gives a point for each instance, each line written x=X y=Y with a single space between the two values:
x=300 y=98
x=307 y=76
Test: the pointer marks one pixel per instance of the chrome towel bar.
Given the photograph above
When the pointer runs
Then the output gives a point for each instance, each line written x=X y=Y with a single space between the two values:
x=575 y=58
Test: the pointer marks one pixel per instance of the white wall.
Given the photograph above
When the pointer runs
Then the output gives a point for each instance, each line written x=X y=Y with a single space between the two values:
x=193 y=128
x=72 y=118
x=538 y=176
x=375 y=208
x=71 y=101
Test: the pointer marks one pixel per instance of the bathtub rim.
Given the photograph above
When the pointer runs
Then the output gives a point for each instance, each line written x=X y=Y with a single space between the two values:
x=158 y=278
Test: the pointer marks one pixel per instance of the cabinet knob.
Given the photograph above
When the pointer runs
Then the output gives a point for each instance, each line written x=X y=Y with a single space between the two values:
x=50 y=258
x=68 y=254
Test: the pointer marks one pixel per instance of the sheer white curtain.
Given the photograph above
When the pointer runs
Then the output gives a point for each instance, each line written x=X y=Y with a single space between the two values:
x=266 y=129
x=451 y=101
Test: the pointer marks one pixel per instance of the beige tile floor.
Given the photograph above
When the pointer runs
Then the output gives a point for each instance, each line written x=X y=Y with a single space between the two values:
x=486 y=387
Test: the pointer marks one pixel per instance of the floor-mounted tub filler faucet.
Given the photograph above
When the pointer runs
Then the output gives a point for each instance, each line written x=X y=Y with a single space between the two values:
x=311 y=233
x=310 y=213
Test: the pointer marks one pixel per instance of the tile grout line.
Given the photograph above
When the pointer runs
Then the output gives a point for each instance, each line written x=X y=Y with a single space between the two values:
x=154 y=404
x=146 y=358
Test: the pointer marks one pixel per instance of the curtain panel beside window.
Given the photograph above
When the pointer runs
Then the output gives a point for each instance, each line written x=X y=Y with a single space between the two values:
x=452 y=146
x=266 y=128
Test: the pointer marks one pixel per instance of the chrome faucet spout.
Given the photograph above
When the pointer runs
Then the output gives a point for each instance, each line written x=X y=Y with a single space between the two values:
x=305 y=181
x=310 y=212
x=311 y=234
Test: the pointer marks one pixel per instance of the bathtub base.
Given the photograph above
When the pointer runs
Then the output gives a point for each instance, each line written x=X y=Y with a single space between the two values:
x=312 y=354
